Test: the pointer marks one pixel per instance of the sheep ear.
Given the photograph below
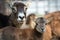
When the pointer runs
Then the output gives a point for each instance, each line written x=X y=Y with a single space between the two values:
x=49 y=20
x=28 y=3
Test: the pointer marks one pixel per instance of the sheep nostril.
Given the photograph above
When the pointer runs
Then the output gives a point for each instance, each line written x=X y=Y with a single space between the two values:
x=42 y=29
x=20 y=17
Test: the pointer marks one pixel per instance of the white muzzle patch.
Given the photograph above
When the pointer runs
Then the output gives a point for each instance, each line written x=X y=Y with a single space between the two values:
x=21 y=14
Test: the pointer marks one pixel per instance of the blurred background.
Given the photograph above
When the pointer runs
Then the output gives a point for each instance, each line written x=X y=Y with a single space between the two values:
x=39 y=7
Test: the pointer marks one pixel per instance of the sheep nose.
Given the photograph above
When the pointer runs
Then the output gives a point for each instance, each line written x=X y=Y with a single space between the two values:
x=21 y=18
x=42 y=29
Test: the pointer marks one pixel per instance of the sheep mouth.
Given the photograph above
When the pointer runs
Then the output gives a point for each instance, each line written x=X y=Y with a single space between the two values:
x=40 y=29
x=20 y=21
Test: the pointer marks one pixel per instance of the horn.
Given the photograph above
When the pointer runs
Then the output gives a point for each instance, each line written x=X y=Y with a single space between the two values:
x=28 y=3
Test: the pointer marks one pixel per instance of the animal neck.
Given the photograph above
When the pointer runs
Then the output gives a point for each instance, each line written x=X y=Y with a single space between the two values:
x=38 y=34
x=17 y=25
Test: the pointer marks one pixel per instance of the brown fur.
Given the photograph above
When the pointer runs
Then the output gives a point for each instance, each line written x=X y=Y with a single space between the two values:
x=54 y=23
x=30 y=20
x=13 y=33
x=47 y=33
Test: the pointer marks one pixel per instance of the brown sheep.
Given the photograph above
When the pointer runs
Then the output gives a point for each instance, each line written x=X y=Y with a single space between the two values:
x=46 y=34
x=54 y=24
x=17 y=18
x=18 y=14
x=38 y=33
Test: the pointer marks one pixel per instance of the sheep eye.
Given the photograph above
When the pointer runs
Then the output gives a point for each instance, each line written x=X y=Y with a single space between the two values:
x=36 y=23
